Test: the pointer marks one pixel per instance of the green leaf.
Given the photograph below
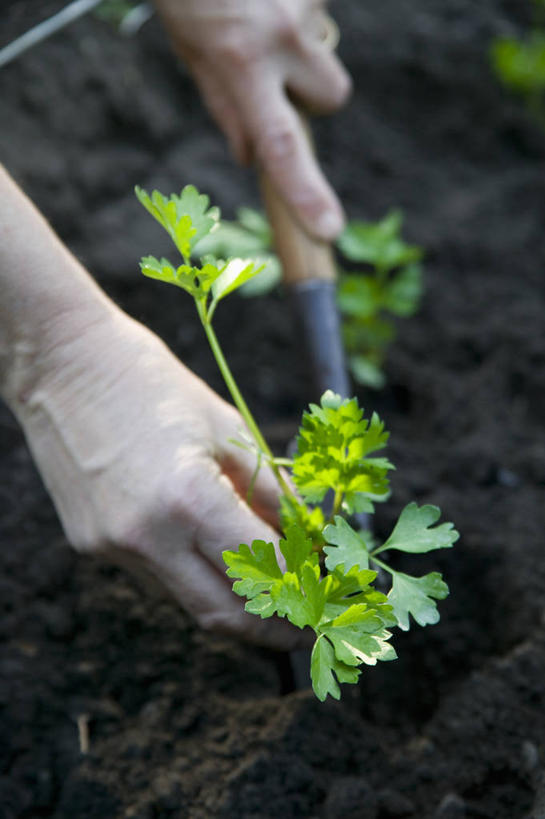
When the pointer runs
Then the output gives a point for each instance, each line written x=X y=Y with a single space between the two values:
x=249 y=235
x=262 y=605
x=310 y=520
x=194 y=280
x=378 y=243
x=257 y=569
x=291 y=603
x=374 y=438
x=413 y=595
x=358 y=636
x=235 y=273
x=301 y=596
x=255 y=222
x=403 y=292
x=358 y=295
x=368 y=336
x=186 y=218
x=332 y=447
x=297 y=549
x=413 y=531
x=315 y=589
x=322 y=665
x=160 y=269
x=348 y=549
x=267 y=279
x=520 y=64
x=195 y=205
x=359 y=504
x=346 y=588
x=365 y=372
x=228 y=240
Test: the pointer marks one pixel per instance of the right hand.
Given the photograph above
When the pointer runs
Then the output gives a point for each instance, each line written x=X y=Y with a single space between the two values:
x=250 y=59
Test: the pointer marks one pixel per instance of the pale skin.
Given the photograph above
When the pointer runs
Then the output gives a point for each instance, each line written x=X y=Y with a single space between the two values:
x=133 y=447
x=250 y=59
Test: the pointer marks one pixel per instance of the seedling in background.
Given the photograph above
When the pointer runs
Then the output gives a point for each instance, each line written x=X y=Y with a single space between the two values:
x=519 y=64
x=330 y=565
x=390 y=284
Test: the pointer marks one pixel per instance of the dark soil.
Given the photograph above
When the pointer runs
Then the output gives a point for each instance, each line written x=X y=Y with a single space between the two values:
x=184 y=724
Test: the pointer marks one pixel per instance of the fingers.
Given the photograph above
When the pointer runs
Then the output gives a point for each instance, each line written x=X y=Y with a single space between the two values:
x=239 y=465
x=241 y=469
x=222 y=108
x=207 y=596
x=319 y=81
x=226 y=522
x=246 y=59
x=283 y=150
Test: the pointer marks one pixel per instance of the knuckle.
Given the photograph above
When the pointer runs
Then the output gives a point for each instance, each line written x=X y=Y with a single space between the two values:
x=83 y=542
x=215 y=621
x=288 y=32
x=278 y=143
x=236 y=50
x=310 y=200
x=126 y=534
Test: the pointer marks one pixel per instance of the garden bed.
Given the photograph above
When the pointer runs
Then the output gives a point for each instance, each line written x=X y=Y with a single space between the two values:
x=186 y=724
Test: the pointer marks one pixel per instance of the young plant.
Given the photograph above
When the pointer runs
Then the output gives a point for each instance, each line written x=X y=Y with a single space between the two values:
x=519 y=64
x=329 y=565
x=391 y=284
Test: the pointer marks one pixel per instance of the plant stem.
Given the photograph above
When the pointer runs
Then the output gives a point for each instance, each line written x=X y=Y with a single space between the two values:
x=240 y=403
x=380 y=563
x=337 y=501
x=250 y=492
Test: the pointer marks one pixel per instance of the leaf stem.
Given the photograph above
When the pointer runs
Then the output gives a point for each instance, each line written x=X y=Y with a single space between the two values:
x=239 y=401
x=337 y=503
x=380 y=563
x=250 y=492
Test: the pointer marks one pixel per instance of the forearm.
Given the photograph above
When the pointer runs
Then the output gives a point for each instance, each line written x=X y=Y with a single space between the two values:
x=47 y=297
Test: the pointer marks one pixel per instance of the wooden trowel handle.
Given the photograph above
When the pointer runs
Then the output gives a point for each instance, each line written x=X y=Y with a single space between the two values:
x=303 y=257
x=309 y=274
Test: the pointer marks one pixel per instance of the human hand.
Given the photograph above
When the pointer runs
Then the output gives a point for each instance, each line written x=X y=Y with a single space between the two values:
x=134 y=451
x=249 y=60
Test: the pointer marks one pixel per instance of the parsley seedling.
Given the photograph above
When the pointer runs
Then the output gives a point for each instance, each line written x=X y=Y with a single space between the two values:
x=330 y=565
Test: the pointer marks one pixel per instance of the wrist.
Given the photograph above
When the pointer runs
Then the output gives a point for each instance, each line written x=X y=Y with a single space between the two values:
x=47 y=297
x=52 y=353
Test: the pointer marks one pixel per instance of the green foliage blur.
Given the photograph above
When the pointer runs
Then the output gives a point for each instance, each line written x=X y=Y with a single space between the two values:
x=388 y=285
x=519 y=63
x=114 y=11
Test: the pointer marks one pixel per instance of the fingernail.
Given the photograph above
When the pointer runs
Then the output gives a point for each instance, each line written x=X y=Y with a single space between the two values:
x=329 y=224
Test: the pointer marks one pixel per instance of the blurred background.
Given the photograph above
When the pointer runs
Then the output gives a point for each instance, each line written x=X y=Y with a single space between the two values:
x=446 y=123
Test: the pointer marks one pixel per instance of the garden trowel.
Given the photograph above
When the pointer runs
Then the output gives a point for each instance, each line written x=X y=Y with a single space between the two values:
x=309 y=275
